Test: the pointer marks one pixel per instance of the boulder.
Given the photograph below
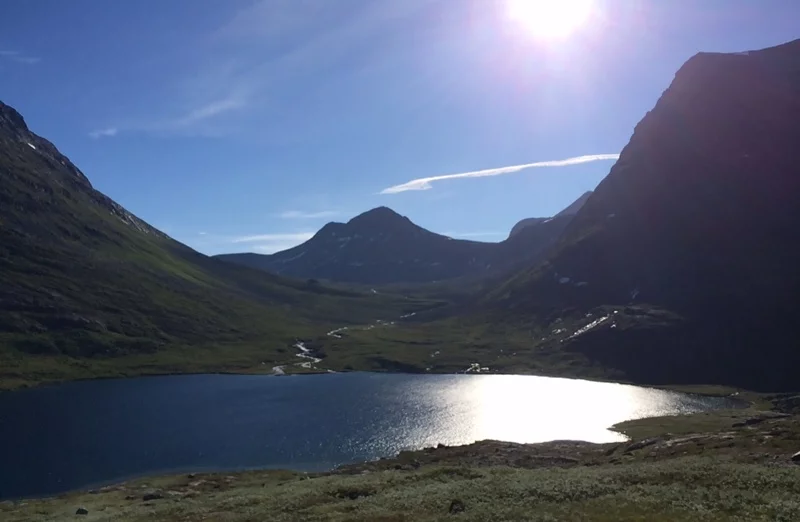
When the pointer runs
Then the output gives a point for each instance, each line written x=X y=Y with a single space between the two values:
x=82 y=511
x=643 y=444
x=456 y=507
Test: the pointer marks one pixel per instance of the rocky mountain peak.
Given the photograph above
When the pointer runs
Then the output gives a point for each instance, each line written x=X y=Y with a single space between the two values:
x=378 y=216
x=576 y=205
x=11 y=120
x=15 y=135
x=382 y=220
x=29 y=160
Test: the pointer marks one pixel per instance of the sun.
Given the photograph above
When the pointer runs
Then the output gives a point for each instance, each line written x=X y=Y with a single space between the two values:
x=550 y=19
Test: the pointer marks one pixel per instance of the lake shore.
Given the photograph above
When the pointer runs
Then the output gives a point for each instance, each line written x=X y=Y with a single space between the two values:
x=38 y=379
x=724 y=465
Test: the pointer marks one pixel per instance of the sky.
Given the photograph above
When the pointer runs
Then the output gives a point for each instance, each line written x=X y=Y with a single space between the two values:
x=246 y=125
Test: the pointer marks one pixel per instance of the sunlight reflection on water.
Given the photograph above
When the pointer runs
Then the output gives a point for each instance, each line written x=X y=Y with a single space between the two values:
x=62 y=437
x=456 y=410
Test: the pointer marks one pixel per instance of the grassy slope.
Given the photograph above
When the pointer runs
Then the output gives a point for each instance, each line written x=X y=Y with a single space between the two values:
x=504 y=344
x=725 y=466
x=86 y=289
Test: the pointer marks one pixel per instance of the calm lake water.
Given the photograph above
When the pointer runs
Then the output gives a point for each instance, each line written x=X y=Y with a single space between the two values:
x=82 y=434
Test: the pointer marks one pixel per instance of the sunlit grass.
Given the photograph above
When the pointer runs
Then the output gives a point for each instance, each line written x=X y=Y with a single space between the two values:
x=686 y=489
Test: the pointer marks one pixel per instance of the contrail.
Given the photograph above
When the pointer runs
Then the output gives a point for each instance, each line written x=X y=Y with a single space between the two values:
x=425 y=183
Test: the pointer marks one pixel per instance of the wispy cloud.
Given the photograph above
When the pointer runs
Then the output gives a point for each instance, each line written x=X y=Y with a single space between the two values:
x=197 y=121
x=425 y=183
x=271 y=49
x=297 y=236
x=261 y=54
x=16 y=56
x=207 y=111
x=299 y=214
x=475 y=234
x=104 y=133
x=271 y=243
x=275 y=246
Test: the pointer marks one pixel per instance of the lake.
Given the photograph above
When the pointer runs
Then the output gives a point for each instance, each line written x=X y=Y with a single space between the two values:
x=82 y=434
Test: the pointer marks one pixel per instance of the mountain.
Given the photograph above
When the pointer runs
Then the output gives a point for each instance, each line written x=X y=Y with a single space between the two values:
x=688 y=252
x=527 y=222
x=576 y=205
x=571 y=210
x=382 y=247
x=86 y=287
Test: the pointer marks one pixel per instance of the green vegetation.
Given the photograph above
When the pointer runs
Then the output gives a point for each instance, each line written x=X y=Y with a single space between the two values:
x=714 y=467
x=437 y=343
x=89 y=290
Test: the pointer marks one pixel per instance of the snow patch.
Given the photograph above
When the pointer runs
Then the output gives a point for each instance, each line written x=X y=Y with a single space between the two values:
x=593 y=324
x=476 y=368
x=31 y=145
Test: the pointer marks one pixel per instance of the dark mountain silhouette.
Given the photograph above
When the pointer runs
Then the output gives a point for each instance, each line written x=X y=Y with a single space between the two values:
x=576 y=205
x=571 y=210
x=693 y=234
x=382 y=247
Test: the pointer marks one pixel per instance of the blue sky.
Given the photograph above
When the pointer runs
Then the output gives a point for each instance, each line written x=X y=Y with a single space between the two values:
x=245 y=125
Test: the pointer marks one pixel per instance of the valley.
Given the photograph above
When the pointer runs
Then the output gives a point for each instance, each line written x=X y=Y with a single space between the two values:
x=680 y=275
x=627 y=355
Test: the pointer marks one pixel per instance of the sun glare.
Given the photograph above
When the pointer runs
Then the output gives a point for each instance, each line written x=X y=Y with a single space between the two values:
x=550 y=19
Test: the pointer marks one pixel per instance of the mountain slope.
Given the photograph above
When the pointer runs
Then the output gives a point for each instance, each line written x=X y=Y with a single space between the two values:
x=378 y=246
x=695 y=231
x=80 y=277
x=570 y=210
x=576 y=205
x=382 y=247
x=527 y=222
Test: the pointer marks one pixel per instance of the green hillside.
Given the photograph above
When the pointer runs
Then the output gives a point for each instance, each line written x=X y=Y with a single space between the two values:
x=86 y=288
